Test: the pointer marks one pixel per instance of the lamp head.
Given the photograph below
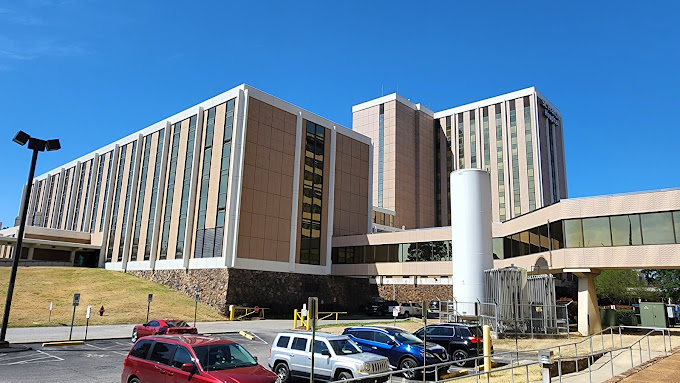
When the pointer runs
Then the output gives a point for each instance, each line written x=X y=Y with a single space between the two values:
x=36 y=144
x=53 y=145
x=21 y=138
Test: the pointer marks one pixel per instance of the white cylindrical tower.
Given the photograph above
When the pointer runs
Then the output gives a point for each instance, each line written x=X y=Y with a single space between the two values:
x=471 y=241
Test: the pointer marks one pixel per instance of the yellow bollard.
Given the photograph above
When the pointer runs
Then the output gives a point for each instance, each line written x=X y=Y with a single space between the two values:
x=487 y=347
x=231 y=312
x=295 y=319
x=307 y=324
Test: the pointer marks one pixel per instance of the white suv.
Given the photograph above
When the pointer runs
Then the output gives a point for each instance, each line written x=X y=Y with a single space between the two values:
x=336 y=357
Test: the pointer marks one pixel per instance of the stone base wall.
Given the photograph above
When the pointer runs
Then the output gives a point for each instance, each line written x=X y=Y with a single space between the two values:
x=406 y=293
x=210 y=284
x=284 y=292
x=280 y=292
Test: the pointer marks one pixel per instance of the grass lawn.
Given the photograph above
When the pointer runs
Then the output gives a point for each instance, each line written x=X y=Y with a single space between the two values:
x=123 y=296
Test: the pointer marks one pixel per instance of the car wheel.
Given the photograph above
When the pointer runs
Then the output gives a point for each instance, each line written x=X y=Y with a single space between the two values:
x=344 y=375
x=283 y=372
x=134 y=380
x=134 y=336
x=458 y=355
x=408 y=364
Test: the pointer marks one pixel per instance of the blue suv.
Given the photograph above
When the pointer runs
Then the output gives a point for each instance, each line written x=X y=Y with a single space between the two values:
x=404 y=350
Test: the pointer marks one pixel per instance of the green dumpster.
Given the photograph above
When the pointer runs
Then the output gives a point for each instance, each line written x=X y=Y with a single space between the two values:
x=608 y=318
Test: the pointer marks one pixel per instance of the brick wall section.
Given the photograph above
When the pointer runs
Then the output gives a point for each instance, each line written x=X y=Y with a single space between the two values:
x=264 y=228
x=280 y=292
x=351 y=187
x=405 y=293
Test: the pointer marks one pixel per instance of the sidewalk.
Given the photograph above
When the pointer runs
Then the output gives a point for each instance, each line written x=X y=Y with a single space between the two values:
x=50 y=334
x=602 y=371
x=665 y=370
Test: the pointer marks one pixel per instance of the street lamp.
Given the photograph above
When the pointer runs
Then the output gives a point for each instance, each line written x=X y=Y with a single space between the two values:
x=37 y=145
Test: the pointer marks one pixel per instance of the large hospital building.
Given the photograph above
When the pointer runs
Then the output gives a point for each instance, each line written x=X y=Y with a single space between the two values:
x=248 y=198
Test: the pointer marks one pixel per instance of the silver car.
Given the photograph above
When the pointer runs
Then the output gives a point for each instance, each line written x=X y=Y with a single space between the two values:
x=336 y=357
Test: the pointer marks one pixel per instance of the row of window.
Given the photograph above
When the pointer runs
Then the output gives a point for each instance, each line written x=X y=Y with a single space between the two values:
x=384 y=219
x=312 y=190
x=381 y=153
x=403 y=252
x=618 y=230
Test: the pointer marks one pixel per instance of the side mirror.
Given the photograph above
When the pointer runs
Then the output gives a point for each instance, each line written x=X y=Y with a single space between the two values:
x=189 y=367
x=392 y=343
x=326 y=353
x=145 y=324
x=254 y=357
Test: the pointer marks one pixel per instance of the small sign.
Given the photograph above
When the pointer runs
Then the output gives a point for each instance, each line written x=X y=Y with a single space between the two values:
x=395 y=311
x=150 y=298
x=303 y=312
x=50 y=305
x=257 y=309
x=76 y=300
x=87 y=314
x=197 y=297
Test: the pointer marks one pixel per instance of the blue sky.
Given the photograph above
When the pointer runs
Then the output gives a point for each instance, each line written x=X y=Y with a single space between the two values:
x=89 y=72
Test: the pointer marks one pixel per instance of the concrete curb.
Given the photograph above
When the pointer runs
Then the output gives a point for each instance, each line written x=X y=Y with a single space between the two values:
x=246 y=335
x=64 y=343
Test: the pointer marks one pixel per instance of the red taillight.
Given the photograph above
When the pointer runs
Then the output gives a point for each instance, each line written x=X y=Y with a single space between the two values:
x=125 y=363
x=473 y=339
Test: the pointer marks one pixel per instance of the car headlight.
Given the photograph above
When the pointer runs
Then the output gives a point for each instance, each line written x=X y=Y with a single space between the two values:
x=426 y=354
x=364 y=368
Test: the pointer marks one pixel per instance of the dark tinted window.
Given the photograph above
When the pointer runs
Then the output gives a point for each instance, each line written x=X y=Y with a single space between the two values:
x=299 y=344
x=153 y=323
x=177 y=323
x=141 y=349
x=182 y=356
x=162 y=352
x=440 y=331
x=283 y=341
x=319 y=346
x=382 y=338
x=363 y=334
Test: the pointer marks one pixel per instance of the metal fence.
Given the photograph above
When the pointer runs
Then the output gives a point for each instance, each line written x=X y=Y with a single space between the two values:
x=525 y=319
x=526 y=365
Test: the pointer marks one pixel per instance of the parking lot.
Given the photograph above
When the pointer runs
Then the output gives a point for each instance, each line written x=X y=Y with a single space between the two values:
x=102 y=360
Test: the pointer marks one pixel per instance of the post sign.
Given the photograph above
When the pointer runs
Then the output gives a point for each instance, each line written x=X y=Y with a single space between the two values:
x=395 y=311
x=50 y=305
x=89 y=310
x=197 y=297
x=76 y=300
x=303 y=312
x=150 y=298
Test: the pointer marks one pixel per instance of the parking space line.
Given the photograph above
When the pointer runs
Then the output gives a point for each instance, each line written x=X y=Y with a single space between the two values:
x=262 y=340
x=40 y=356
x=107 y=349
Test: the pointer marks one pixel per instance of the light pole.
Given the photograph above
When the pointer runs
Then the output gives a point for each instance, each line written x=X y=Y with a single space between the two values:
x=37 y=145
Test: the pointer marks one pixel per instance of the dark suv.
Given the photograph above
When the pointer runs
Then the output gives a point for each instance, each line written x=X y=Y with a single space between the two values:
x=380 y=308
x=403 y=349
x=460 y=340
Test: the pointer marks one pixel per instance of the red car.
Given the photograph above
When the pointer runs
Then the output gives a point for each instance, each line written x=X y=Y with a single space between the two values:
x=192 y=358
x=162 y=327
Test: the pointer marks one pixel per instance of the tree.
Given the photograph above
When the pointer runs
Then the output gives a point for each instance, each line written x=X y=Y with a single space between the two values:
x=622 y=286
x=668 y=283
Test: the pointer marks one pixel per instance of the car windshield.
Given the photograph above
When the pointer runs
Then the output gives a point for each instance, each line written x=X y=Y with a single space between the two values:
x=406 y=338
x=223 y=356
x=176 y=323
x=344 y=347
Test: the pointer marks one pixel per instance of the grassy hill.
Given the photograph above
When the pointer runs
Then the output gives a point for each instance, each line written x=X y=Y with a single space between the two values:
x=123 y=296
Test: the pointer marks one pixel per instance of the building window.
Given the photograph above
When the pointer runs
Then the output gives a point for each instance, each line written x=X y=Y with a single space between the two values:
x=473 y=139
x=49 y=201
x=184 y=202
x=485 y=128
x=154 y=196
x=170 y=190
x=626 y=230
x=530 y=154
x=87 y=197
x=209 y=241
x=381 y=153
x=123 y=229
x=97 y=188
x=573 y=233
x=500 y=163
x=461 y=142
x=517 y=203
x=596 y=232
x=73 y=225
x=657 y=228
x=310 y=244
x=116 y=199
x=62 y=202
x=140 y=197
